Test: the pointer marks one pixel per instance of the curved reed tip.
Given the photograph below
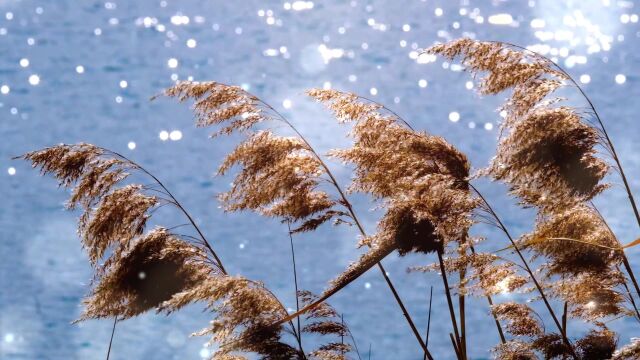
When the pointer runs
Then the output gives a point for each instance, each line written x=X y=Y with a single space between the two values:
x=65 y=162
x=503 y=66
x=217 y=104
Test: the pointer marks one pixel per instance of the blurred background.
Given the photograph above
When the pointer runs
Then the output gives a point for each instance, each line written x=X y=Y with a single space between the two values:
x=83 y=71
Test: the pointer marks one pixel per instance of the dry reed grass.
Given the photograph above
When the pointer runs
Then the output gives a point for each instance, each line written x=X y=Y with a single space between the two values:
x=548 y=155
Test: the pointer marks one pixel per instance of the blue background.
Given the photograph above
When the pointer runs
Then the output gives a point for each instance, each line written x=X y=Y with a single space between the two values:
x=276 y=49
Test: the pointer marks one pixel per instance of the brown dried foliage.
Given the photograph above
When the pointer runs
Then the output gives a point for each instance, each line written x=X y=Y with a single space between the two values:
x=549 y=160
x=244 y=312
x=630 y=351
x=421 y=179
x=149 y=271
x=597 y=344
x=514 y=350
x=278 y=176
x=592 y=296
x=576 y=241
x=519 y=317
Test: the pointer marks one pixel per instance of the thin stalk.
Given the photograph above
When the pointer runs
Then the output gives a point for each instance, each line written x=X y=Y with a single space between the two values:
x=341 y=334
x=454 y=322
x=461 y=310
x=564 y=319
x=353 y=215
x=455 y=347
x=295 y=282
x=490 y=300
x=428 y=321
x=498 y=326
x=113 y=331
x=353 y=340
x=528 y=269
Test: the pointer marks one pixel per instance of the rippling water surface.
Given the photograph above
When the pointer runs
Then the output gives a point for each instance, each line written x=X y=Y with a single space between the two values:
x=74 y=71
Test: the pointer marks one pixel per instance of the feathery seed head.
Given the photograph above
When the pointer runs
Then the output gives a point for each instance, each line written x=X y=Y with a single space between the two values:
x=148 y=272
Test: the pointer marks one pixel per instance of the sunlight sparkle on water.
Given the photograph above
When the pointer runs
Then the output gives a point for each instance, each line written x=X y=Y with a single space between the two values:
x=500 y=19
x=9 y=338
x=34 y=79
x=175 y=135
x=164 y=135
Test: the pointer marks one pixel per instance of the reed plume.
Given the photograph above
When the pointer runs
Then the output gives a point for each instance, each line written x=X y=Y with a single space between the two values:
x=420 y=179
x=547 y=155
x=278 y=176
x=576 y=241
x=630 y=351
x=148 y=272
x=136 y=272
x=519 y=317
x=549 y=161
x=514 y=350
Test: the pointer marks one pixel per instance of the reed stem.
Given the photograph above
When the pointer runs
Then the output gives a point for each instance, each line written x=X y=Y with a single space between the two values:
x=528 y=269
x=353 y=215
x=455 y=347
x=295 y=282
x=452 y=314
x=113 y=331
x=428 y=321
x=490 y=300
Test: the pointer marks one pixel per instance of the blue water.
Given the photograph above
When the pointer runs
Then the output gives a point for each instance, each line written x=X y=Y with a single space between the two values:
x=91 y=67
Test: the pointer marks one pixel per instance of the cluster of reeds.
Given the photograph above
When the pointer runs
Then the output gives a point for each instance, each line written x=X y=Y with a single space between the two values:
x=549 y=155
